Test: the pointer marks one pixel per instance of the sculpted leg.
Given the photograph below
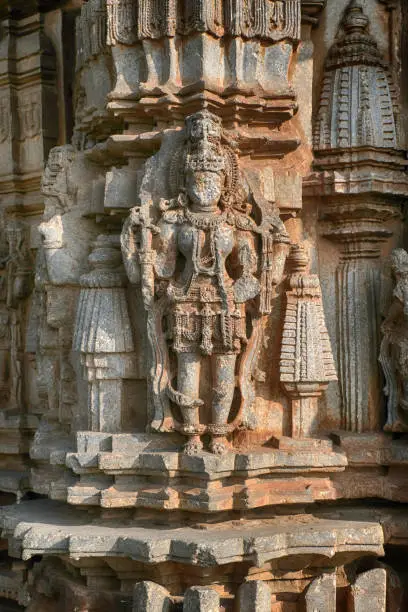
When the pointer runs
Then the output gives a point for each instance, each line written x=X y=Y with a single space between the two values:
x=188 y=385
x=223 y=394
x=151 y=86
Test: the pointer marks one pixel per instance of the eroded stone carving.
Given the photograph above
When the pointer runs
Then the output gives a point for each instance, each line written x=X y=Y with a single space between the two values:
x=156 y=46
x=356 y=77
x=238 y=355
x=53 y=305
x=15 y=286
x=103 y=335
x=357 y=114
x=306 y=365
x=179 y=256
x=394 y=347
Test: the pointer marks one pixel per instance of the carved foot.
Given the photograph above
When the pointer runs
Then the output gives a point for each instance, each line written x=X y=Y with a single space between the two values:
x=399 y=426
x=396 y=427
x=219 y=445
x=193 y=446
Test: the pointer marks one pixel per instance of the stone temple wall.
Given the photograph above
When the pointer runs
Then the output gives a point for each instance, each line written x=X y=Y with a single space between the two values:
x=203 y=305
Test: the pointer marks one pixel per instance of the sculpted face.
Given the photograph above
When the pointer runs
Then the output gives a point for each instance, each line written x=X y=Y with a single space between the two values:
x=204 y=189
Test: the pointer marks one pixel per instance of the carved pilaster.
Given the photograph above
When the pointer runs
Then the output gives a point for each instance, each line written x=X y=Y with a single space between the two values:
x=27 y=130
x=359 y=229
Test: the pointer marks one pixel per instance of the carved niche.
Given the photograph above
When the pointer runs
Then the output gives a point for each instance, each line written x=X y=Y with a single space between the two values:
x=207 y=261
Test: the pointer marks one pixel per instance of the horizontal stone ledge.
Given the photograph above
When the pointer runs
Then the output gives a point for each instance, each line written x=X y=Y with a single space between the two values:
x=141 y=454
x=372 y=449
x=212 y=496
x=44 y=527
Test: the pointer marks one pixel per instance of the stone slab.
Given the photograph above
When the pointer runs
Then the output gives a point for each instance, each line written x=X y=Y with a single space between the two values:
x=44 y=527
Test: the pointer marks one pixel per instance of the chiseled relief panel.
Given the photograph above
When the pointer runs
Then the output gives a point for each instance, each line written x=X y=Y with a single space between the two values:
x=199 y=272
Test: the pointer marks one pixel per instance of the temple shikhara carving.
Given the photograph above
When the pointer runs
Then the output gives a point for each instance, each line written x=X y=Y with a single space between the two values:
x=203 y=305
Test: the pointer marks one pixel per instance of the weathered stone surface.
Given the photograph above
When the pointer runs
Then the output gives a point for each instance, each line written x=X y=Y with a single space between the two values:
x=321 y=594
x=254 y=596
x=369 y=591
x=35 y=528
x=202 y=272
x=202 y=599
x=150 y=597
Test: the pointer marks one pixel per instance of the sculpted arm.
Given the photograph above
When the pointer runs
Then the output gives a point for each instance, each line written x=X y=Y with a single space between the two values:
x=164 y=245
x=394 y=313
x=129 y=246
x=247 y=286
x=166 y=250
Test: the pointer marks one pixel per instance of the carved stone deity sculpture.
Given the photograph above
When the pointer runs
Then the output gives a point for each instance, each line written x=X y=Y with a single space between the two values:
x=205 y=262
x=394 y=347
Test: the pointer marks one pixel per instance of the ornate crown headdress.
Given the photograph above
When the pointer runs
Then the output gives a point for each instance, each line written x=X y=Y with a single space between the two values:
x=203 y=126
x=204 y=151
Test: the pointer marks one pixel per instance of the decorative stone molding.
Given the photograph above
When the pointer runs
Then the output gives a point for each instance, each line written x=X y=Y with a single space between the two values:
x=360 y=173
x=27 y=131
x=218 y=30
x=306 y=365
x=171 y=373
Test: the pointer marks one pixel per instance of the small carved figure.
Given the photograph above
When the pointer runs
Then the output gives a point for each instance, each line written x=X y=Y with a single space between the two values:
x=207 y=271
x=52 y=311
x=394 y=347
x=15 y=286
